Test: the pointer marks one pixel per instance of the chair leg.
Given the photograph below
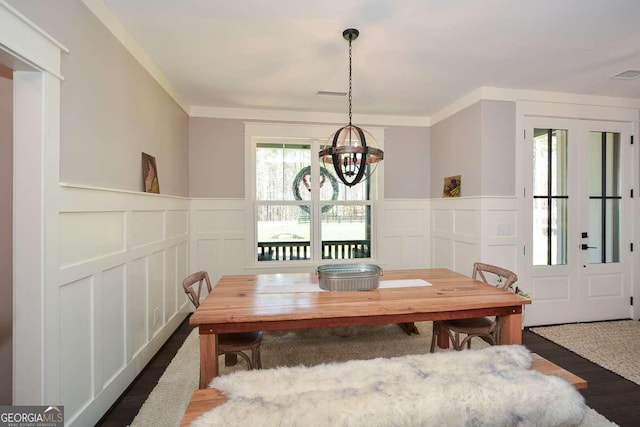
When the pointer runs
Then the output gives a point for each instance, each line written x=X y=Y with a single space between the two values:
x=230 y=359
x=255 y=355
x=246 y=359
x=434 y=336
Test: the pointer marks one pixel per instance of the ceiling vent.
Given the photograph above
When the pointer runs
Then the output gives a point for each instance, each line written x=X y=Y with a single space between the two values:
x=627 y=75
x=331 y=93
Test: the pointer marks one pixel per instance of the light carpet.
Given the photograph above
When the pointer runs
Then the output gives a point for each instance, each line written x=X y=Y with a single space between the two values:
x=601 y=343
x=168 y=401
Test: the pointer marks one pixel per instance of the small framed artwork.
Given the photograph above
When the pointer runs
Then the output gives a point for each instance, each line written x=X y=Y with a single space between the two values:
x=150 y=174
x=452 y=186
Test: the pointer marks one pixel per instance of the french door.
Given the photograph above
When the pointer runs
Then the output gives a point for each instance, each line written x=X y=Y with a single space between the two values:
x=577 y=211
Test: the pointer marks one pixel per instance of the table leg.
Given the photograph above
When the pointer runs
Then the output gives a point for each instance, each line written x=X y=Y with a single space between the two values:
x=511 y=329
x=208 y=358
x=443 y=337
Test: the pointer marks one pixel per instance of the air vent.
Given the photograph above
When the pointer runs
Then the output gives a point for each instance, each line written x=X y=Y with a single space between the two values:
x=627 y=75
x=331 y=93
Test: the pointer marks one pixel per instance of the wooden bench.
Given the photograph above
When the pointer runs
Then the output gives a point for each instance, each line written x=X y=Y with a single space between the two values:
x=204 y=400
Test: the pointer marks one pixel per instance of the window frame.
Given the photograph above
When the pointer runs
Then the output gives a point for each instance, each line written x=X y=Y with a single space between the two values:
x=316 y=134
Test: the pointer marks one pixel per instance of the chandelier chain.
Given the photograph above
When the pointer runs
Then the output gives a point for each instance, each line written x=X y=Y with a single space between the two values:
x=349 y=81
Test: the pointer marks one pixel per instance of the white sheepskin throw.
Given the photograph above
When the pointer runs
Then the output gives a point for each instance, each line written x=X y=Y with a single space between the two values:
x=488 y=387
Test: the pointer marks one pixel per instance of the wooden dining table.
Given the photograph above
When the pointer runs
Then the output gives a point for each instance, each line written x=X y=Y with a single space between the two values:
x=266 y=302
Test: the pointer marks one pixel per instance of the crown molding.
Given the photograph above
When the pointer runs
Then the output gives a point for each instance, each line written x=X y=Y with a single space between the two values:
x=513 y=95
x=113 y=24
x=305 y=116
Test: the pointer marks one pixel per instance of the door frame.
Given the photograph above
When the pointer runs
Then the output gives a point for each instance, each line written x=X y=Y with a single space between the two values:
x=526 y=109
x=35 y=58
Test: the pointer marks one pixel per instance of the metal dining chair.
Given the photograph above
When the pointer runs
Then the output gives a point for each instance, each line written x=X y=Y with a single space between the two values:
x=233 y=344
x=486 y=328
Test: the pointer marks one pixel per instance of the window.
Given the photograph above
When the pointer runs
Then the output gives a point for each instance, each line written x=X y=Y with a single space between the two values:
x=302 y=211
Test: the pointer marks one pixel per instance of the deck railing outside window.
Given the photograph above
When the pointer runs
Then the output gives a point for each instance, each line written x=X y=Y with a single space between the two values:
x=298 y=250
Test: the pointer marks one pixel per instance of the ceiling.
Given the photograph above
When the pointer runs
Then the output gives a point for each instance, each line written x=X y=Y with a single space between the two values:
x=413 y=57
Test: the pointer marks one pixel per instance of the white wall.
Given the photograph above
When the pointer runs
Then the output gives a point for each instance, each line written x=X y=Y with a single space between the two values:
x=123 y=256
x=6 y=233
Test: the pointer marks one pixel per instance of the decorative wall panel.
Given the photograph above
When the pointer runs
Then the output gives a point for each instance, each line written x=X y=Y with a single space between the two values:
x=146 y=228
x=75 y=343
x=122 y=259
x=88 y=235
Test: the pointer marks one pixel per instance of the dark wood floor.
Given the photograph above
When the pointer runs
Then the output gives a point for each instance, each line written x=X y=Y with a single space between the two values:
x=611 y=395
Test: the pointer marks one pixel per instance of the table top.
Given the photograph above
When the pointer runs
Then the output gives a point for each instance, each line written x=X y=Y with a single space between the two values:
x=272 y=299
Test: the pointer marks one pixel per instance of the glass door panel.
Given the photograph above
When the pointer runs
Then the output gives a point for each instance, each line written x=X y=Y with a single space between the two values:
x=604 y=197
x=550 y=197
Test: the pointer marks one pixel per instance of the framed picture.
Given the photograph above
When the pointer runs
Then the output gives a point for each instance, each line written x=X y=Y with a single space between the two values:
x=150 y=174
x=452 y=186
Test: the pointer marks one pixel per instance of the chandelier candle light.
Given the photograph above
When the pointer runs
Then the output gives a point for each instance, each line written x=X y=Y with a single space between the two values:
x=349 y=152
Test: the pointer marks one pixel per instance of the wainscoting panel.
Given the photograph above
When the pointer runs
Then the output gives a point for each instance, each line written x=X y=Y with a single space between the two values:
x=206 y=256
x=155 y=291
x=89 y=235
x=136 y=307
x=403 y=234
x=442 y=250
x=177 y=223
x=122 y=257
x=465 y=224
x=469 y=229
x=391 y=250
x=111 y=348
x=464 y=255
x=76 y=370
x=218 y=237
x=146 y=228
x=220 y=219
x=231 y=262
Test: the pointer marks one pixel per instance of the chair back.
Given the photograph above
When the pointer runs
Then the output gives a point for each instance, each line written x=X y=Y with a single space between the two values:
x=192 y=285
x=502 y=278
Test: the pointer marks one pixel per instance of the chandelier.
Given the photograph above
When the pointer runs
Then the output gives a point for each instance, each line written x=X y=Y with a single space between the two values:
x=349 y=152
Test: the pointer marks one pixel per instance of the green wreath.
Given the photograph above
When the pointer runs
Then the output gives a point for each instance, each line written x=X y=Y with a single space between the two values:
x=324 y=174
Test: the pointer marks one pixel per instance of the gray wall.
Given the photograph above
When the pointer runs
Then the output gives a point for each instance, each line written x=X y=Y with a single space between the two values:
x=479 y=144
x=111 y=108
x=406 y=163
x=6 y=234
x=455 y=150
x=498 y=148
x=216 y=158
